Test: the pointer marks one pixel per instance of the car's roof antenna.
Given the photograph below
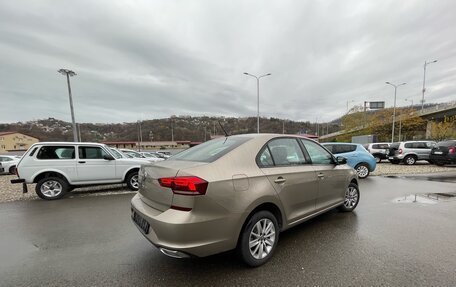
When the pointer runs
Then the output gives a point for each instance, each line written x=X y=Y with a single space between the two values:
x=226 y=134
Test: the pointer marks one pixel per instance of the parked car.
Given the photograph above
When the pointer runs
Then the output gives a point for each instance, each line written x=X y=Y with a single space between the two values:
x=56 y=168
x=378 y=150
x=239 y=192
x=410 y=152
x=151 y=156
x=136 y=154
x=444 y=153
x=357 y=157
x=9 y=163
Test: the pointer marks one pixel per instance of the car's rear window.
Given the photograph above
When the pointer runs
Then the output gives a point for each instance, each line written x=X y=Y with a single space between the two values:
x=380 y=146
x=56 y=152
x=211 y=150
x=340 y=148
x=447 y=143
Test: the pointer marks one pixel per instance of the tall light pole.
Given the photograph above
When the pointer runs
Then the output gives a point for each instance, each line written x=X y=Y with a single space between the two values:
x=68 y=74
x=424 y=82
x=394 y=109
x=258 y=97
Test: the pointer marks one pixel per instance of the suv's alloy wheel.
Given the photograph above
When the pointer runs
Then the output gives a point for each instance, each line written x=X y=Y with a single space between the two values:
x=133 y=181
x=51 y=188
x=410 y=160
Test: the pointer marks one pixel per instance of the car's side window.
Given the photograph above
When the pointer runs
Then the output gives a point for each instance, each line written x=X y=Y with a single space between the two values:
x=265 y=158
x=317 y=154
x=286 y=151
x=91 y=152
x=56 y=152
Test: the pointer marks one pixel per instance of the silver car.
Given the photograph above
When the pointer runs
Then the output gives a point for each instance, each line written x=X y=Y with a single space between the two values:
x=410 y=152
x=239 y=192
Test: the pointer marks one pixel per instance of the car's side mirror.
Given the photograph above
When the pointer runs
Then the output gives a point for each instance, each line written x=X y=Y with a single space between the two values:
x=341 y=160
x=108 y=157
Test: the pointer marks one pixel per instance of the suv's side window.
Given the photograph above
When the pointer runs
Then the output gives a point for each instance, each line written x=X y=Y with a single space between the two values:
x=281 y=152
x=56 y=152
x=91 y=152
x=317 y=154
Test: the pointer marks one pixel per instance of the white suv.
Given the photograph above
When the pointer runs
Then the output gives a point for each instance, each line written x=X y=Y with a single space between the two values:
x=58 y=167
x=8 y=162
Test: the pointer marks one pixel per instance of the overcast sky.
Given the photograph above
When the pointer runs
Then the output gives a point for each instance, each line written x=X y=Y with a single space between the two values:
x=153 y=59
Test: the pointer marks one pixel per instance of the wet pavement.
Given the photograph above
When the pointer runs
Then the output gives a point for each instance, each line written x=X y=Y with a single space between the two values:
x=90 y=241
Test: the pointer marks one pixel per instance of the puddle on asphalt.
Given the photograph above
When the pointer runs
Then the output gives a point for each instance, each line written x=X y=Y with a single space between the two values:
x=427 y=198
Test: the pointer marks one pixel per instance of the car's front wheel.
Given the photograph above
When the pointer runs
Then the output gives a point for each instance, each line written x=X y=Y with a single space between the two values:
x=351 y=198
x=377 y=158
x=362 y=170
x=12 y=169
x=132 y=180
x=259 y=238
x=51 y=188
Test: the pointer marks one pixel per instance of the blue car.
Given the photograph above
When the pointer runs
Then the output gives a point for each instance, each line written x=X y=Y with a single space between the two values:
x=357 y=157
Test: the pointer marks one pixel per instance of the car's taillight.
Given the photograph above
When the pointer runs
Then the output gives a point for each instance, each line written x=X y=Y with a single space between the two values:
x=451 y=150
x=400 y=151
x=186 y=185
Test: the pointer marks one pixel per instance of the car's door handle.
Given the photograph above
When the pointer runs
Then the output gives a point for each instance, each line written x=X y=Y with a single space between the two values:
x=321 y=175
x=81 y=162
x=280 y=180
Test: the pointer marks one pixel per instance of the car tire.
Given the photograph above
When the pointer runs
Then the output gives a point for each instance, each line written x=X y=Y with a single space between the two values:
x=132 y=181
x=12 y=169
x=410 y=160
x=51 y=188
x=351 y=198
x=377 y=158
x=259 y=238
x=362 y=170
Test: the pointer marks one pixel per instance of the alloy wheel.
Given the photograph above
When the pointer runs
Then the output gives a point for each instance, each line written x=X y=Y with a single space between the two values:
x=262 y=238
x=134 y=182
x=362 y=171
x=351 y=197
x=51 y=188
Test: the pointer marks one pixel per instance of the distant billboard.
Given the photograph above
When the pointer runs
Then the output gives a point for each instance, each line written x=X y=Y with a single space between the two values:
x=376 y=105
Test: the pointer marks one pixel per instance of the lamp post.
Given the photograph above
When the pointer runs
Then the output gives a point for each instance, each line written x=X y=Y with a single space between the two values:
x=424 y=82
x=68 y=74
x=258 y=97
x=394 y=109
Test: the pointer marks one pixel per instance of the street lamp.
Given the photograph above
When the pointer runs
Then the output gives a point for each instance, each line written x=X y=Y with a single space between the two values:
x=68 y=74
x=258 y=97
x=424 y=82
x=394 y=109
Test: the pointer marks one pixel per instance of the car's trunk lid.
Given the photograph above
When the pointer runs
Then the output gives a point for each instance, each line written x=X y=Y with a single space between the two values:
x=154 y=195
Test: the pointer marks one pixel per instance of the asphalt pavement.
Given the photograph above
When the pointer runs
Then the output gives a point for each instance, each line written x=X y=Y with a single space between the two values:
x=90 y=241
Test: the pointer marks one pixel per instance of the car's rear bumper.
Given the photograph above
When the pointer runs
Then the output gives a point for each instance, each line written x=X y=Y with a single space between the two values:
x=442 y=158
x=186 y=231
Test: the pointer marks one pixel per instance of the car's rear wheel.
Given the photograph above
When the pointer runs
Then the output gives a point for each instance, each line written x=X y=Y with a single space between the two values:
x=410 y=160
x=51 y=188
x=351 y=198
x=362 y=170
x=377 y=158
x=133 y=180
x=259 y=238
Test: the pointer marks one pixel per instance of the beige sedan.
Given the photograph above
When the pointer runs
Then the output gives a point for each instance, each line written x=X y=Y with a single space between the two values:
x=239 y=192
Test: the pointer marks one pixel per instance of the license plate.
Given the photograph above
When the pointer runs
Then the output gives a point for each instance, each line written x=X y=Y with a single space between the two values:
x=438 y=152
x=391 y=157
x=141 y=222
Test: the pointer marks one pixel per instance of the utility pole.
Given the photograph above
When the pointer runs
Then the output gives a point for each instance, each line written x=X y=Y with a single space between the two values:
x=283 y=127
x=139 y=136
x=68 y=74
x=79 y=133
